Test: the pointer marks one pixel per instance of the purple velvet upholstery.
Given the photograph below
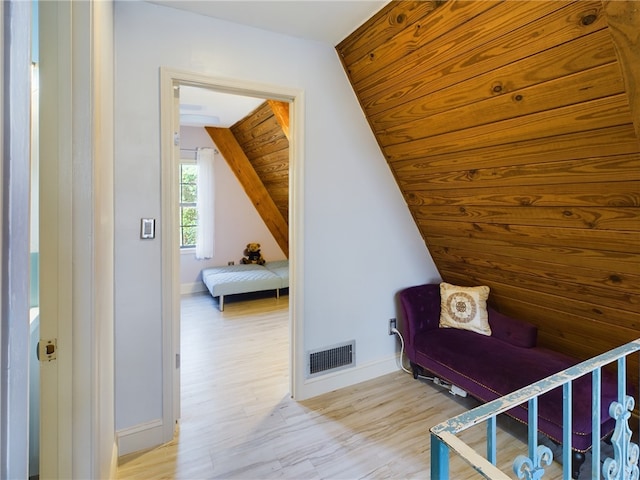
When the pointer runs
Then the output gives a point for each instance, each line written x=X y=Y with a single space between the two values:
x=488 y=367
x=510 y=330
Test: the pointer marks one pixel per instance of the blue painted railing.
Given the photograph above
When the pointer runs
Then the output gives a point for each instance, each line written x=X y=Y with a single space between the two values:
x=624 y=465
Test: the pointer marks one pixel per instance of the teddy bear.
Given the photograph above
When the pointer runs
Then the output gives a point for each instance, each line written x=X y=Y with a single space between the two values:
x=252 y=254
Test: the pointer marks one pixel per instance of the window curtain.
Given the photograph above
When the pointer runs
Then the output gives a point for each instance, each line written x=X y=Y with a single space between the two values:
x=205 y=204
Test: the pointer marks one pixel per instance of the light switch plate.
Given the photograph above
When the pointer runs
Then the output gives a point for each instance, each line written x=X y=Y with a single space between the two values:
x=147 y=228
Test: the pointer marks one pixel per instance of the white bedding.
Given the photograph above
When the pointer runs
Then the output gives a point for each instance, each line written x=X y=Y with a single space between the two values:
x=246 y=278
x=280 y=268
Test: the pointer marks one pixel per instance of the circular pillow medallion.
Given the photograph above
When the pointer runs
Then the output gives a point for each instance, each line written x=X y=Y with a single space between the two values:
x=462 y=307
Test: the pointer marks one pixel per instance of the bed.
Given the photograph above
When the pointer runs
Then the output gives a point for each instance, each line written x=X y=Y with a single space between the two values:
x=246 y=278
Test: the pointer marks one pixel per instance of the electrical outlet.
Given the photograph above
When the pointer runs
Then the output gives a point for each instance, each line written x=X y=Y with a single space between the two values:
x=392 y=325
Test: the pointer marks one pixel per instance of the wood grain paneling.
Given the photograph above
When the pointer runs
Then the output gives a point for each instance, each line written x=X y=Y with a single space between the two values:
x=232 y=152
x=623 y=18
x=512 y=130
x=257 y=150
x=263 y=137
x=281 y=112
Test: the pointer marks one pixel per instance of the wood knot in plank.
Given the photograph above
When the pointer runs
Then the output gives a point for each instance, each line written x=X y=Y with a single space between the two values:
x=497 y=87
x=518 y=97
x=615 y=278
x=588 y=19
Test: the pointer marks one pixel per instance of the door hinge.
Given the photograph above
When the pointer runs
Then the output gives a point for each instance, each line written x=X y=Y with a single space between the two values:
x=47 y=350
x=177 y=360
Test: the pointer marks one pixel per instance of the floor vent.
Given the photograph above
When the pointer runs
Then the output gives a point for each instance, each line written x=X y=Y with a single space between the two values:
x=331 y=359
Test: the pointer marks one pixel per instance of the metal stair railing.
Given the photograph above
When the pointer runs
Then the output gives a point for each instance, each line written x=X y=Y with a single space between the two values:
x=624 y=465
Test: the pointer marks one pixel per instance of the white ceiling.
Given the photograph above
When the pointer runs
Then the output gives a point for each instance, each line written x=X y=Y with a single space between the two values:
x=202 y=107
x=328 y=21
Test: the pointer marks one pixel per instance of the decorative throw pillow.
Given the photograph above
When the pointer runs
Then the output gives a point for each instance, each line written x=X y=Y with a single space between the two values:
x=464 y=308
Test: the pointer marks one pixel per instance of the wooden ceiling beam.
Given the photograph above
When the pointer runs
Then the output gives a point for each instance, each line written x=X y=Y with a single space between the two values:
x=281 y=111
x=623 y=18
x=231 y=150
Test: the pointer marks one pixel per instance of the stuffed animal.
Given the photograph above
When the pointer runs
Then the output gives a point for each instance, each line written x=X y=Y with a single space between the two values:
x=252 y=254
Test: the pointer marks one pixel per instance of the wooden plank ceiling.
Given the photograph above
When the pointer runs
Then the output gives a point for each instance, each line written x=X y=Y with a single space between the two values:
x=257 y=150
x=509 y=129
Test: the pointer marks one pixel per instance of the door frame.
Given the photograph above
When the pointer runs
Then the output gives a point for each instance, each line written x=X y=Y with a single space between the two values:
x=77 y=437
x=169 y=125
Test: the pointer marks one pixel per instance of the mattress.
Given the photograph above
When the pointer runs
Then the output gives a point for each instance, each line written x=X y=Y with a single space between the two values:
x=234 y=279
x=246 y=278
x=281 y=269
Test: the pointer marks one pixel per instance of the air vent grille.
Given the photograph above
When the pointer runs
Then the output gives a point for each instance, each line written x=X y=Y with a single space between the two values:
x=331 y=359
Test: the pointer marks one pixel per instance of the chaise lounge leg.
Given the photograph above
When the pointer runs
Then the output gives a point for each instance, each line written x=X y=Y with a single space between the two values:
x=577 y=459
x=416 y=370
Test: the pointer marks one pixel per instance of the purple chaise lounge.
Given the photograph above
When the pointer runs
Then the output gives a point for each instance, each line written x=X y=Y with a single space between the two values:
x=488 y=367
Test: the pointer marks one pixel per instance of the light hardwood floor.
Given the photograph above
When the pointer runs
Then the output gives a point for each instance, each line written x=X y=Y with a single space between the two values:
x=239 y=422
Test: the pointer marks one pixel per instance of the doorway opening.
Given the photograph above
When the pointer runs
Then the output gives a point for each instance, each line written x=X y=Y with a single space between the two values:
x=171 y=82
x=214 y=199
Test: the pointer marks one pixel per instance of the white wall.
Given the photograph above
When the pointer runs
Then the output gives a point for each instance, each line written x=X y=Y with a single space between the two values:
x=14 y=246
x=236 y=220
x=360 y=243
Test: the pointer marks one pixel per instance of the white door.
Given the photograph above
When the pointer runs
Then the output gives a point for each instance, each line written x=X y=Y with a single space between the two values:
x=55 y=239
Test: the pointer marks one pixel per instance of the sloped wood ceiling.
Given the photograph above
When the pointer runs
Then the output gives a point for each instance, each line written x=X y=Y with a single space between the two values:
x=257 y=150
x=266 y=145
x=510 y=132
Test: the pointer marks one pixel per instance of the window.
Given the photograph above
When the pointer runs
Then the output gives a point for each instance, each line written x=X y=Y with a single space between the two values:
x=188 y=201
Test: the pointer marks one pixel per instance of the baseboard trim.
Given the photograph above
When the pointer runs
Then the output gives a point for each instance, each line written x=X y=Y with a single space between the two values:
x=113 y=468
x=188 y=288
x=140 y=437
x=345 y=378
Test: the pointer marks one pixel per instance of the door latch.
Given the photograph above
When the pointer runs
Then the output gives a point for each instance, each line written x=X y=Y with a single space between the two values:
x=47 y=350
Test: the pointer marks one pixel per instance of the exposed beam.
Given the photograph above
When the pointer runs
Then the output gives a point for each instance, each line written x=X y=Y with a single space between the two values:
x=234 y=155
x=623 y=17
x=281 y=111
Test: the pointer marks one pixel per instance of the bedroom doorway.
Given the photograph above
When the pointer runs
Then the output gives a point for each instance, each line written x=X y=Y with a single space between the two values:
x=213 y=184
x=171 y=82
